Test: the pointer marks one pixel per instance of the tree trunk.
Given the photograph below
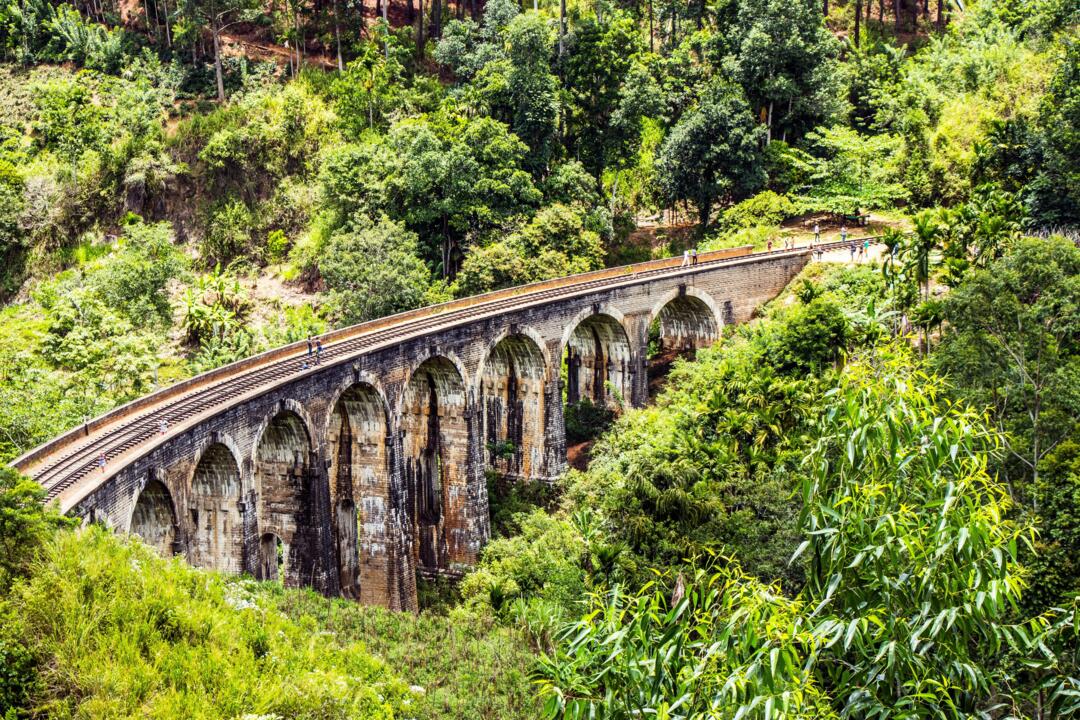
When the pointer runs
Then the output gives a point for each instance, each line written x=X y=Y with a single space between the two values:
x=337 y=36
x=896 y=12
x=168 y=31
x=652 y=33
x=674 y=27
x=420 y=30
x=825 y=8
x=704 y=210
x=858 y=19
x=216 y=31
x=299 y=54
x=562 y=25
x=386 y=24
x=436 y=19
x=881 y=11
x=941 y=14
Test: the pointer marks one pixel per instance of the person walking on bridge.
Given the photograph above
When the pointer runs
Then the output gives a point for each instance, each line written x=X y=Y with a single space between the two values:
x=101 y=462
x=817 y=233
x=693 y=256
x=685 y=258
x=310 y=346
x=318 y=351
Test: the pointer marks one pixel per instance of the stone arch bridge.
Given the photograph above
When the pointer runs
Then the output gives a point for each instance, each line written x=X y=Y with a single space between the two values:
x=354 y=474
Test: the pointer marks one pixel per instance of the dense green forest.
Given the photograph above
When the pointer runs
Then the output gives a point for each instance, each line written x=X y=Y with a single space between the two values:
x=862 y=504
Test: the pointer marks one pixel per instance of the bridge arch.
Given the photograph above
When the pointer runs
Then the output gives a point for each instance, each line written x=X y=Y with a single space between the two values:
x=511 y=387
x=154 y=518
x=283 y=482
x=596 y=352
x=686 y=318
x=217 y=539
x=435 y=450
x=356 y=443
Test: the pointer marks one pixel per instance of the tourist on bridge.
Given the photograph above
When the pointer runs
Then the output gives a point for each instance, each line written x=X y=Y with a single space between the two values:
x=817 y=233
x=843 y=233
x=163 y=426
x=852 y=247
x=769 y=246
x=101 y=462
x=693 y=256
x=318 y=351
x=685 y=258
x=310 y=347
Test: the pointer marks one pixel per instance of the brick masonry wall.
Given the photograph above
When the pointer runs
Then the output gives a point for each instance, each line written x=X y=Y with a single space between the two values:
x=287 y=478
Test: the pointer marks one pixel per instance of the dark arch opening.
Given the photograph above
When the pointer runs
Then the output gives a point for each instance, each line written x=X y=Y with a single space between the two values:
x=597 y=362
x=512 y=389
x=218 y=540
x=154 y=519
x=680 y=329
x=435 y=448
x=271 y=558
x=359 y=479
x=283 y=480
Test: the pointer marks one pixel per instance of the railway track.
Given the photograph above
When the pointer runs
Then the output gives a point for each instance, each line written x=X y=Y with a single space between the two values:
x=74 y=461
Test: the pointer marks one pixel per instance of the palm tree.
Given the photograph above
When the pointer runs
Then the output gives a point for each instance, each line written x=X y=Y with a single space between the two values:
x=921 y=246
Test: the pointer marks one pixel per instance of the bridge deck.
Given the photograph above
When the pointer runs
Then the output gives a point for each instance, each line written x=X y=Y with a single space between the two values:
x=133 y=429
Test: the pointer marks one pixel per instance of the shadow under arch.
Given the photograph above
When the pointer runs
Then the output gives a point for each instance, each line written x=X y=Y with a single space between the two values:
x=512 y=383
x=435 y=448
x=283 y=481
x=153 y=518
x=359 y=476
x=597 y=361
x=218 y=538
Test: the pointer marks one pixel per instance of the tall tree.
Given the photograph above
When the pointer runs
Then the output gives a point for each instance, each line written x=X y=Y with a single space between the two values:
x=1014 y=346
x=220 y=15
x=785 y=60
x=714 y=151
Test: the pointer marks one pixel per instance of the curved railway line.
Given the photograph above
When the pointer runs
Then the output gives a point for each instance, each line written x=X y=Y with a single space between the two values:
x=61 y=464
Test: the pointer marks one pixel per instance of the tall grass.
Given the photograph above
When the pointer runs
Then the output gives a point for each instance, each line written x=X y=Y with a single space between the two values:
x=467 y=667
x=118 y=632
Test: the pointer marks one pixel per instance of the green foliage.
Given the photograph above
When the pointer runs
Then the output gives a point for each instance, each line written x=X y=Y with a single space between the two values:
x=460 y=666
x=585 y=420
x=555 y=243
x=1013 y=347
x=909 y=549
x=898 y=488
x=765 y=208
x=168 y=640
x=26 y=525
x=543 y=563
x=373 y=270
x=812 y=337
x=716 y=644
x=713 y=152
x=855 y=171
x=784 y=58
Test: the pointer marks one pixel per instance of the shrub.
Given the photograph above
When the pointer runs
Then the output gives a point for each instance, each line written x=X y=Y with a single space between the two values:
x=167 y=640
x=586 y=420
x=765 y=208
x=372 y=270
